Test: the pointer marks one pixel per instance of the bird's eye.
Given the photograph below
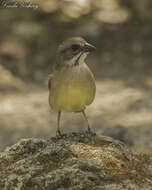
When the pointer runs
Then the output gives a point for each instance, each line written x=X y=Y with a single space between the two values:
x=75 y=47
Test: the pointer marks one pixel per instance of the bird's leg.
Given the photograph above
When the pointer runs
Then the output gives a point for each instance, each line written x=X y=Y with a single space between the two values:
x=58 y=132
x=85 y=117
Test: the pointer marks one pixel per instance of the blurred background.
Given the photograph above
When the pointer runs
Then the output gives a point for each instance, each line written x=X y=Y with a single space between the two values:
x=122 y=65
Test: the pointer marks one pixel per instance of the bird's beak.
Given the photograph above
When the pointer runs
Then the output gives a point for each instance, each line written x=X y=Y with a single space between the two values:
x=88 y=47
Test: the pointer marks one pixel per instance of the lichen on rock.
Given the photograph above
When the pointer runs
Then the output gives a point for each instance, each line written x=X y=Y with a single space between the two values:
x=73 y=161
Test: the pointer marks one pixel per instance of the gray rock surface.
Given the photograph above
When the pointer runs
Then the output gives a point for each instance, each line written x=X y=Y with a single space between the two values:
x=75 y=161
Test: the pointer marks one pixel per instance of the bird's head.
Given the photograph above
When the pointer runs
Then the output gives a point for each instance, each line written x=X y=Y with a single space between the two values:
x=74 y=50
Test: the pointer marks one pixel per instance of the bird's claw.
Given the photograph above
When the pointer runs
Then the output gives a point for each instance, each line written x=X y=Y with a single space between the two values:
x=90 y=132
x=58 y=133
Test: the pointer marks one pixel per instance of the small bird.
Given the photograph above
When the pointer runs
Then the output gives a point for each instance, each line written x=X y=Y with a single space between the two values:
x=72 y=84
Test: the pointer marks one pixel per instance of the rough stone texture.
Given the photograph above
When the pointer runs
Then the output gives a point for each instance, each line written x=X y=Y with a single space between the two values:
x=76 y=161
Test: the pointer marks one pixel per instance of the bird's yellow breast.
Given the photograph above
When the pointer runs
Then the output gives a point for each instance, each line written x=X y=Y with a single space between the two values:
x=72 y=88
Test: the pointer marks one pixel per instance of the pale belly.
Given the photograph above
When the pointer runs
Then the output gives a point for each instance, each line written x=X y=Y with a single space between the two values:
x=72 y=89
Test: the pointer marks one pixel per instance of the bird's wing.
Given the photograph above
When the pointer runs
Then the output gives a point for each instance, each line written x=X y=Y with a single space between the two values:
x=49 y=82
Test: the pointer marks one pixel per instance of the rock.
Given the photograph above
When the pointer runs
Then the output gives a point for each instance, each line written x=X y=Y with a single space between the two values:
x=75 y=161
x=119 y=132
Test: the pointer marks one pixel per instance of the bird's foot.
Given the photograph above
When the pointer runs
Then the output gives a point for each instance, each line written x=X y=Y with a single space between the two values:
x=58 y=133
x=90 y=132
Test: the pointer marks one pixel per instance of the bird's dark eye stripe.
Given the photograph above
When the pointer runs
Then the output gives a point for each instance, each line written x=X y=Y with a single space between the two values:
x=75 y=47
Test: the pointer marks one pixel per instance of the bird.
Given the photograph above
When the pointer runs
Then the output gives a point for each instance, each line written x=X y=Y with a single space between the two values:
x=72 y=84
